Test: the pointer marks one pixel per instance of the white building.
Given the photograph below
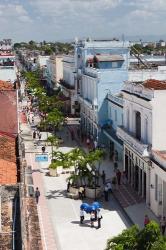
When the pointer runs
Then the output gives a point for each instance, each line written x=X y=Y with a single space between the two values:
x=7 y=62
x=138 y=75
x=68 y=86
x=143 y=130
x=42 y=60
x=54 y=70
x=158 y=183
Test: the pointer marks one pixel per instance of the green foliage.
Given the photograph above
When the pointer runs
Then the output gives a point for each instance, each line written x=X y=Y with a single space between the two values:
x=148 y=236
x=54 y=118
x=133 y=238
x=126 y=240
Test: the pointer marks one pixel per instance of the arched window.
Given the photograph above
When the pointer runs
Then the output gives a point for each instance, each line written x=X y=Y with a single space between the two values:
x=146 y=130
x=127 y=119
x=138 y=125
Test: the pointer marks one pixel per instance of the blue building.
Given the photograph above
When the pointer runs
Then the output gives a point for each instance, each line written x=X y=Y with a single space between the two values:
x=101 y=67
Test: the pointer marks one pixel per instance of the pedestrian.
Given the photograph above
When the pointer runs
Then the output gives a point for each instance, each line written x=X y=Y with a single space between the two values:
x=106 y=193
x=124 y=178
x=95 y=144
x=163 y=225
x=92 y=218
x=67 y=135
x=81 y=216
x=99 y=217
x=34 y=134
x=118 y=175
x=103 y=177
x=80 y=192
x=109 y=185
x=37 y=195
x=87 y=142
x=68 y=186
x=39 y=136
x=146 y=220
x=43 y=149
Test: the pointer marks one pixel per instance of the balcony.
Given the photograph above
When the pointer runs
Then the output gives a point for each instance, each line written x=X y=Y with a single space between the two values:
x=128 y=138
x=66 y=85
x=91 y=72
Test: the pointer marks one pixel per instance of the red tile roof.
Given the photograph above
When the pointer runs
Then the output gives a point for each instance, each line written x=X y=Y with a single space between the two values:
x=8 y=167
x=8 y=111
x=5 y=85
x=155 y=84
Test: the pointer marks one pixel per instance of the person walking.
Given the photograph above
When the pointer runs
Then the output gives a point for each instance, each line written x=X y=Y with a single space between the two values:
x=163 y=225
x=43 y=149
x=33 y=120
x=37 y=195
x=99 y=217
x=118 y=175
x=80 y=192
x=146 y=220
x=81 y=216
x=106 y=193
x=34 y=134
x=103 y=177
x=92 y=218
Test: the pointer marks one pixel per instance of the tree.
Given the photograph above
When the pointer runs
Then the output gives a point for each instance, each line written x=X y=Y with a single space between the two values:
x=54 y=119
x=54 y=142
x=133 y=238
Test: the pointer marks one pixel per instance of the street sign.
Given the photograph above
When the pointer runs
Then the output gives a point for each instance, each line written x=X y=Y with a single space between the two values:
x=41 y=157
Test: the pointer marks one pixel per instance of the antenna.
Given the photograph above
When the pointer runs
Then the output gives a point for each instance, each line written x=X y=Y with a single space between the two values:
x=123 y=38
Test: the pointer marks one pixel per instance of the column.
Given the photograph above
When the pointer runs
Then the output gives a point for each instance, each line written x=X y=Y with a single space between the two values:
x=132 y=173
x=140 y=181
x=142 y=184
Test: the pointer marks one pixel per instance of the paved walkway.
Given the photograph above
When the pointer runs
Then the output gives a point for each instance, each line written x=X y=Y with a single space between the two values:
x=59 y=216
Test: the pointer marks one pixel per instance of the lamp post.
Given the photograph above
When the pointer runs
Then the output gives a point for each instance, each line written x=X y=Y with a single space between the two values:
x=96 y=175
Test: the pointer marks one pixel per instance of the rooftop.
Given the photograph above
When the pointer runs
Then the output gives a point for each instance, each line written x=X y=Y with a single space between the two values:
x=5 y=85
x=155 y=84
x=8 y=110
x=109 y=58
x=8 y=167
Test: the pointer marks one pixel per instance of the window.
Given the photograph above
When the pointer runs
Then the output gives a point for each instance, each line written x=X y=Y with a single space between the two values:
x=114 y=64
x=156 y=187
x=116 y=115
x=138 y=125
x=122 y=119
x=146 y=130
x=110 y=112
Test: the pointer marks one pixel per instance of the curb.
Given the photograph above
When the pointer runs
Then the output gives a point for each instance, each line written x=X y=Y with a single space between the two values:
x=131 y=222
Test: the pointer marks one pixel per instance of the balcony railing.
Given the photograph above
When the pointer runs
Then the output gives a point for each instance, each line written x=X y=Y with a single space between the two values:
x=138 y=146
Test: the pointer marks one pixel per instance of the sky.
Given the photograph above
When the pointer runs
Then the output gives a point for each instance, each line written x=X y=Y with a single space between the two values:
x=59 y=20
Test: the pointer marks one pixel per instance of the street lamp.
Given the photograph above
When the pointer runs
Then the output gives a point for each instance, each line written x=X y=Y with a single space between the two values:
x=96 y=176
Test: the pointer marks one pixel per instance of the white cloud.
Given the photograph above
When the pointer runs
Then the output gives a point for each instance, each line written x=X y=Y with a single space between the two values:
x=13 y=13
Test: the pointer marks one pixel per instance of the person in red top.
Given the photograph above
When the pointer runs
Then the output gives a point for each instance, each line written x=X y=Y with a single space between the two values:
x=146 y=220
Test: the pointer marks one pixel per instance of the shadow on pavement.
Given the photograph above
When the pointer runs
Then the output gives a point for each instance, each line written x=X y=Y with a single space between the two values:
x=82 y=225
x=55 y=194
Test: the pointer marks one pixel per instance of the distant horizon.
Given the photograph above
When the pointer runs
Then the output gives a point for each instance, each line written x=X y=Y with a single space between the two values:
x=143 y=38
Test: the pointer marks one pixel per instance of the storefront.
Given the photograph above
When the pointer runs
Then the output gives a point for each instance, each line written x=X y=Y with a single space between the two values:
x=137 y=172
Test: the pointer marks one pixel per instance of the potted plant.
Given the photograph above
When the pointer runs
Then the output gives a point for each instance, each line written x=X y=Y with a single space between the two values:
x=53 y=169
